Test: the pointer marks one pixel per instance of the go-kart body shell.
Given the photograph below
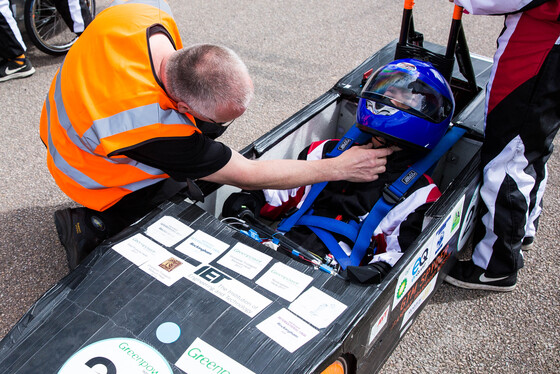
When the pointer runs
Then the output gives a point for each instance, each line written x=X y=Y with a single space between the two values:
x=271 y=314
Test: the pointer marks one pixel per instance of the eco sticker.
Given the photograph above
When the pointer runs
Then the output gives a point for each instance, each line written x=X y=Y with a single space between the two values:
x=401 y=288
x=456 y=220
x=115 y=356
x=202 y=358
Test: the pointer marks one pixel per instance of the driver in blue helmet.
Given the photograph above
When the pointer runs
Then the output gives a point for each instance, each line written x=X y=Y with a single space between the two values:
x=406 y=104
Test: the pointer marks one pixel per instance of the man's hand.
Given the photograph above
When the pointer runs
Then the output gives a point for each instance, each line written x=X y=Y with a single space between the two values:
x=361 y=163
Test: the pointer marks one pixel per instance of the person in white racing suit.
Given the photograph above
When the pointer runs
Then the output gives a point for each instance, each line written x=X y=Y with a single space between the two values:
x=522 y=117
x=382 y=114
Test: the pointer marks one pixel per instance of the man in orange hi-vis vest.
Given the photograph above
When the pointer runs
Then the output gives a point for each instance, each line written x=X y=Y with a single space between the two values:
x=131 y=114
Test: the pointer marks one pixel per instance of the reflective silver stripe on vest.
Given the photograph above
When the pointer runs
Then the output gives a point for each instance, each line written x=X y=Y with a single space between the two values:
x=82 y=143
x=61 y=164
x=160 y=4
x=134 y=118
x=108 y=127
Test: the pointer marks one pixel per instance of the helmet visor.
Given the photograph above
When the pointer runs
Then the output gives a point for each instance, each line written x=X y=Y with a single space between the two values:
x=403 y=90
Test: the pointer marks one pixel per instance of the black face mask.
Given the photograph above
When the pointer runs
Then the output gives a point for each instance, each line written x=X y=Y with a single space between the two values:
x=211 y=130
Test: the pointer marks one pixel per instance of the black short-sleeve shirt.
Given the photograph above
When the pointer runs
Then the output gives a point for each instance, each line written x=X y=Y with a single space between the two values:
x=193 y=157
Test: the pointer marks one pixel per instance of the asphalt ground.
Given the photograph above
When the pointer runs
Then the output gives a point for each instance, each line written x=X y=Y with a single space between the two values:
x=295 y=51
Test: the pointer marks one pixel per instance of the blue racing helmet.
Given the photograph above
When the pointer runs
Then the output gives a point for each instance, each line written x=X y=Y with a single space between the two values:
x=407 y=102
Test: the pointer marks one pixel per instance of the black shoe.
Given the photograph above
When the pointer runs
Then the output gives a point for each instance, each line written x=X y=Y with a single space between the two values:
x=369 y=274
x=466 y=274
x=11 y=69
x=77 y=235
x=527 y=243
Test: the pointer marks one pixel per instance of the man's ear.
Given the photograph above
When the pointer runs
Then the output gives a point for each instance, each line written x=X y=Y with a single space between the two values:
x=183 y=107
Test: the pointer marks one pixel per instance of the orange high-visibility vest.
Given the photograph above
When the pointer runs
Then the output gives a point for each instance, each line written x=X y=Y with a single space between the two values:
x=103 y=100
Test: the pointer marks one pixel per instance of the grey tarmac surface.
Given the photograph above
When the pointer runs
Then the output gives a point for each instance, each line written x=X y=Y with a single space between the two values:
x=295 y=51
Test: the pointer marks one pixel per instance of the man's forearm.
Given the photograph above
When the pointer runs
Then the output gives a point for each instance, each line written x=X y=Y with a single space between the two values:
x=359 y=164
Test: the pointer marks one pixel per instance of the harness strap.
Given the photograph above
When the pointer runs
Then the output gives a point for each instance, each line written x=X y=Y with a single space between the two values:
x=354 y=135
x=392 y=195
x=338 y=227
x=330 y=242
x=410 y=176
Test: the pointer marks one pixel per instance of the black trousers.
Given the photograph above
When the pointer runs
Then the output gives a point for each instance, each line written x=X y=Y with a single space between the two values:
x=11 y=42
x=137 y=204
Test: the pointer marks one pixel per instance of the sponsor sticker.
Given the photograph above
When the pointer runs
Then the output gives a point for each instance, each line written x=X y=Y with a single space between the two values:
x=287 y=329
x=411 y=296
x=230 y=290
x=284 y=281
x=202 y=358
x=202 y=247
x=378 y=325
x=419 y=300
x=138 y=249
x=317 y=308
x=166 y=268
x=168 y=231
x=245 y=260
x=426 y=255
x=117 y=355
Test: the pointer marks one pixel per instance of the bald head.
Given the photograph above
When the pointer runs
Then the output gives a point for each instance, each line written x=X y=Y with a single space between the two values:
x=212 y=80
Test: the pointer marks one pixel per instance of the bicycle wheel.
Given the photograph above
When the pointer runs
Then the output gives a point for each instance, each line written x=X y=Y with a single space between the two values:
x=46 y=28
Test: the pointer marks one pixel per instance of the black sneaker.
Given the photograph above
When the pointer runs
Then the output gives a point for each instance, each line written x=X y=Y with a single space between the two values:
x=77 y=235
x=11 y=69
x=527 y=243
x=466 y=274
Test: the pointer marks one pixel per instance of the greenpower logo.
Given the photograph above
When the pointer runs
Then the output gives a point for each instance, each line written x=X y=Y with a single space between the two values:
x=116 y=356
x=137 y=358
x=202 y=358
x=196 y=354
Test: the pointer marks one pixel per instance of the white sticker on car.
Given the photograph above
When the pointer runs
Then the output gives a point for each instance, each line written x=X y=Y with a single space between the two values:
x=117 y=355
x=428 y=252
x=230 y=290
x=287 y=329
x=245 y=260
x=317 y=308
x=168 y=231
x=202 y=247
x=284 y=281
x=202 y=358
